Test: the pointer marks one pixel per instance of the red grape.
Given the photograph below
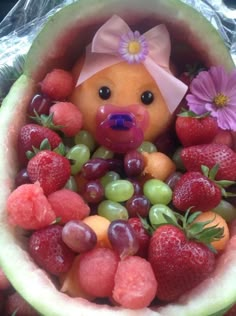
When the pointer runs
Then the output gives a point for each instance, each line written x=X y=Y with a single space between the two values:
x=123 y=238
x=133 y=163
x=138 y=205
x=41 y=104
x=93 y=191
x=78 y=236
x=22 y=177
x=95 y=168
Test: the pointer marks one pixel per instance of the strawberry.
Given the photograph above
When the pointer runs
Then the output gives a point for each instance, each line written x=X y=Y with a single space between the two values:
x=49 y=251
x=180 y=258
x=50 y=169
x=196 y=190
x=209 y=155
x=224 y=137
x=193 y=130
x=58 y=84
x=32 y=135
x=67 y=115
x=142 y=236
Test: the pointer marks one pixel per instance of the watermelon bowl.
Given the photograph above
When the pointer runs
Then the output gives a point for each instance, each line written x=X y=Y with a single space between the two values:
x=58 y=45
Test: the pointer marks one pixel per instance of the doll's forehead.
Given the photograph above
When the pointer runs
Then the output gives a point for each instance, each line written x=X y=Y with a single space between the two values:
x=124 y=76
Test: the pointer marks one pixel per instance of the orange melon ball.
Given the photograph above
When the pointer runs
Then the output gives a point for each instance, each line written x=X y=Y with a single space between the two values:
x=69 y=282
x=218 y=221
x=100 y=226
x=158 y=165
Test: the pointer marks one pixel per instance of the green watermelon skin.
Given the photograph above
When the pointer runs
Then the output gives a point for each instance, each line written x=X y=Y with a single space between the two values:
x=71 y=29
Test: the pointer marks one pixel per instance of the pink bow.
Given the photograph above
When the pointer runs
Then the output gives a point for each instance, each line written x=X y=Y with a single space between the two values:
x=106 y=50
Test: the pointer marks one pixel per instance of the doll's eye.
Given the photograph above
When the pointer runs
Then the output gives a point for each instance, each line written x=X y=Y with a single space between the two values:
x=104 y=93
x=147 y=97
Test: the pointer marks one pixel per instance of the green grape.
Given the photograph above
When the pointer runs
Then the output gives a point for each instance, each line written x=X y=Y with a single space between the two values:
x=102 y=152
x=177 y=160
x=79 y=154
x=157 y=191
x=147 y=147
x=156 y=214
x=112 y=210
x=226 y=210
x=71 y=184
x=119 y=190
x=84 y=137
x=109 y=176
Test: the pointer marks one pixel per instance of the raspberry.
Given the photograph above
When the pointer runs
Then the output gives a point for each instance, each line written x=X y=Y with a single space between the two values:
x=58 y=84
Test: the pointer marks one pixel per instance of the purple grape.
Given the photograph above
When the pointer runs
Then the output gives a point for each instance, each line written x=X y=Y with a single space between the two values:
x=133 y=163
x=138 y=205
x=78 y=236
x=41 y=104
x=137 y=186
x=95 y=168
x=117 y=165
x=93 y=191
x=123 y=238
x=22 y=177
x=173 y=179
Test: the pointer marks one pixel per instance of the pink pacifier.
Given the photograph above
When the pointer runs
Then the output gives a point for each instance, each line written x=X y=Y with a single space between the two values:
x=121 y=128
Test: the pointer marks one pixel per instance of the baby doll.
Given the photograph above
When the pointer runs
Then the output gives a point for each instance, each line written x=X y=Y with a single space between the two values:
x=125 y=88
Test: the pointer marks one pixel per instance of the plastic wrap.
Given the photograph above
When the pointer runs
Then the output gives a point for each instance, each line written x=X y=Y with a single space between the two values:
x=24 y=21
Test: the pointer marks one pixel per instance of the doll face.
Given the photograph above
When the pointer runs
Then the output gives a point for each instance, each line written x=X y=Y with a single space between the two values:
x=121 y=106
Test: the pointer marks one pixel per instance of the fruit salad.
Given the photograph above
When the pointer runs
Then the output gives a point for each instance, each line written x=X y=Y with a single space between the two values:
x=124 y=194
x=130 y=229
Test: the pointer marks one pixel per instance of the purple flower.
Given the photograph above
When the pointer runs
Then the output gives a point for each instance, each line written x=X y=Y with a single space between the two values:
x=133 y=47
x=214 y=91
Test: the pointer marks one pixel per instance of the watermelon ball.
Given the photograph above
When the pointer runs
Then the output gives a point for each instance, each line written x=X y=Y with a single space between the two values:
x=28 y=207
x=97 y=271
x=49 y=251
x=68 y=205
x=135 y=283
x=58 y=84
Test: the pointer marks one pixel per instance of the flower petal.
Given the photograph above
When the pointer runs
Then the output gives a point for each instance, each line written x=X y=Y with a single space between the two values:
x=203 y=87
x=195 y=104
x=220 y=79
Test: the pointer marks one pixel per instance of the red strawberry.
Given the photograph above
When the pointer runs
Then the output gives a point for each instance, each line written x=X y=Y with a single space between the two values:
x=142 y=236
x=179 y=264
x=68 y=116
x=195 y=190
x=224 y=137
x=209 y=155
x=33 y=135
x=194 y=130
x=49 y=251
x=50 y=169
x=58 y=84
